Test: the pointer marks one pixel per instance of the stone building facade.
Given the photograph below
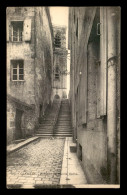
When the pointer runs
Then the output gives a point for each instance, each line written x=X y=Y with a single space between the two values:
x=60 y=62
x=94 y=42
x=29 y=69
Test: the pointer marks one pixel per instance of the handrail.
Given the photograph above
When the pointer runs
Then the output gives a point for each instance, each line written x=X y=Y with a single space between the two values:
x=55 y=112
x=56 y=116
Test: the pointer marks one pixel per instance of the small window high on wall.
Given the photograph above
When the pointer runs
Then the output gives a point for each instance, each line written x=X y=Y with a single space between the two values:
x=57 y=73
x=58 y=40
x=17 y=31
x=17 y=70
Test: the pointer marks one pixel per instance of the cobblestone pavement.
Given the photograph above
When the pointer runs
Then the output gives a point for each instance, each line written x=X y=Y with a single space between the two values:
x=39 y=162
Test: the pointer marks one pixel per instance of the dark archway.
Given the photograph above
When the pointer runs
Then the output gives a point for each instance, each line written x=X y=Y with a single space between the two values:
x=57 y=97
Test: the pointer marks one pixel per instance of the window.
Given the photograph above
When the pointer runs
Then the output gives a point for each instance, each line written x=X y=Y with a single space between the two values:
x=17 y=70
x=17 y=31
x=77 y=28
x=56 y=76
x=58 y=40
x=57 y=73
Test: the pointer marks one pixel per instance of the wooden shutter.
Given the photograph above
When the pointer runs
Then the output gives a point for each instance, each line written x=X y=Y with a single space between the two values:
x=103 y=59
x=83 y=94
x=27 y=30
x=7 y=29
x=98 y=89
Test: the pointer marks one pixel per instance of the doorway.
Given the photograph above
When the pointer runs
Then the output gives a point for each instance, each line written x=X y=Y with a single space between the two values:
x=18 y=121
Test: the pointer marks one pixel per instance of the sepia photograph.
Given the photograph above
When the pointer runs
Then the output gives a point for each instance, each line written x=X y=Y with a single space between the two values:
x=63 y=97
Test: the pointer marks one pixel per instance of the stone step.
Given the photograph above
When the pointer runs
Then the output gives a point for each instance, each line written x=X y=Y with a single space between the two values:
x=60 y=117
x=57 y=130
x=61 y=133
x=64 y=111
x=64 y=122
x=63 y=119
x=46 y=132
x=63 y=127
x=45 y=129
x=64 y=116
x=62 y=130
x=48 y=120
x=44 y=135
x=66 y=129
x=64 y=135
x=45 y=125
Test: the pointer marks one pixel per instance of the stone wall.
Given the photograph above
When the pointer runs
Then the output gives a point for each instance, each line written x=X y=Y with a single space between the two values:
x=43 y=60
x=36 y=51
x=92 y=137
x=118 y=72
x=28 y=120
x=88 y=93
x=23 y=90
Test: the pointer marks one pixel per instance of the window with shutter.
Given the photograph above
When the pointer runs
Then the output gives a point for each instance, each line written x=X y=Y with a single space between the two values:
x=16 y=31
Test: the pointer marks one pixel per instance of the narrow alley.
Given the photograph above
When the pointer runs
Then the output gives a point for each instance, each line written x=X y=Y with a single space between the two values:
x=63 y=97
x=50 y=160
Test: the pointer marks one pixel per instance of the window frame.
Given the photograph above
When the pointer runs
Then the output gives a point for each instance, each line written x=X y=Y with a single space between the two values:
x=57 y=40
x=18 y=31
x=57 y=73
x=17 y=62
x=57 y=76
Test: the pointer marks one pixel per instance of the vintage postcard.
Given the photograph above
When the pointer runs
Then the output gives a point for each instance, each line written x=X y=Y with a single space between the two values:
x=63 y=97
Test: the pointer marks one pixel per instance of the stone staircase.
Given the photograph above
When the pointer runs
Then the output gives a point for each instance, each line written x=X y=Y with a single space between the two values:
x=63 y=126
x=58 y=121
x=47 y=125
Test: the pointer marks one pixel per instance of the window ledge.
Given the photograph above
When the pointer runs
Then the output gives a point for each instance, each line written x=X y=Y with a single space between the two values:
x=18 y=80
x=16 y=41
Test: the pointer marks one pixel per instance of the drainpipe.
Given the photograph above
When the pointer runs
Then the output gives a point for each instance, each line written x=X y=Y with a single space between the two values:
x=111 y=96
